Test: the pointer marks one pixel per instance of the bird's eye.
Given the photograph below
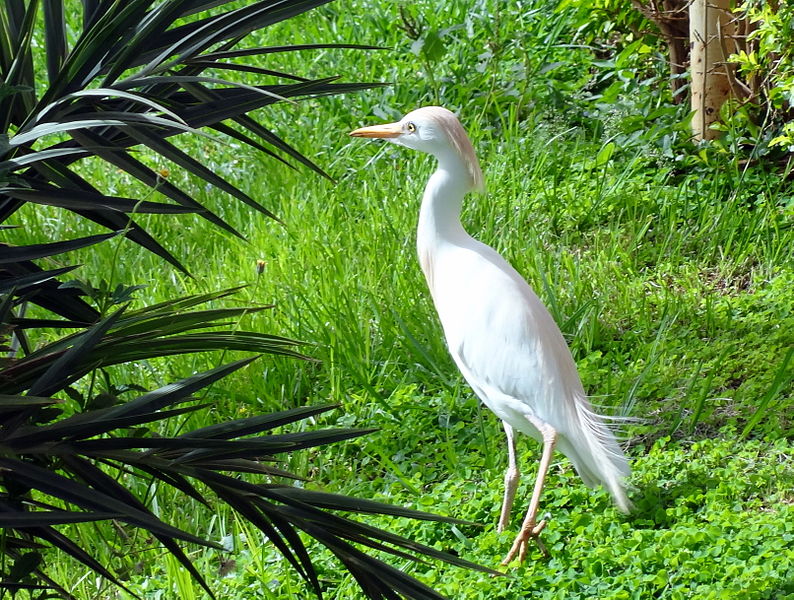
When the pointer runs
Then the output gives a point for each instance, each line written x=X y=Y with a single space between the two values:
x=410 y=127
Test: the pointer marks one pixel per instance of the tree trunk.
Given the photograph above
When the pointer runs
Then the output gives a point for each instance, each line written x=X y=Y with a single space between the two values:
x=711 y=29
x=671 y=17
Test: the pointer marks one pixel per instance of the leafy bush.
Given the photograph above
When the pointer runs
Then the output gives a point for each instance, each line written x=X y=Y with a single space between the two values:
x=648 y=42
x=770 y=61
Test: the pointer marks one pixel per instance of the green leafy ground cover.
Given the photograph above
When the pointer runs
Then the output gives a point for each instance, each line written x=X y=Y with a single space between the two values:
x=668 y=269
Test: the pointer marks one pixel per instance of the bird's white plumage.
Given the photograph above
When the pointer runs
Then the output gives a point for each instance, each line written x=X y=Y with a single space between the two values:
x=511 y=352
x=501 y=336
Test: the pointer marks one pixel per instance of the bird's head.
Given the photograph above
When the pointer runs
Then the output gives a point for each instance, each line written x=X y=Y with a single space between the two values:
x=434 y=130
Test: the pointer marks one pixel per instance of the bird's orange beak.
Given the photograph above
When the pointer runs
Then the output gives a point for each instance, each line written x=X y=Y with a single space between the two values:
x=389 y=130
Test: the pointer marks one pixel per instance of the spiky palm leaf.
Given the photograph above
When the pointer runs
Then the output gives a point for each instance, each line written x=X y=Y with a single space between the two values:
x=135 y=76
x=81 y=459
x=124 y=76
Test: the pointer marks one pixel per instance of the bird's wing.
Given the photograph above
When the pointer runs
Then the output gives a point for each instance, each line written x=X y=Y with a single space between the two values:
x=508 y=347
x=503 y=339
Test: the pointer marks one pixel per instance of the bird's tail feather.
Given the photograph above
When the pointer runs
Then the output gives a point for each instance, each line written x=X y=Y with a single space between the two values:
x=592 y=447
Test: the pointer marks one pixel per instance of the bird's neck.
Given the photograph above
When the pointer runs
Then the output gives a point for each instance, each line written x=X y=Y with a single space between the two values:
x=439 y=217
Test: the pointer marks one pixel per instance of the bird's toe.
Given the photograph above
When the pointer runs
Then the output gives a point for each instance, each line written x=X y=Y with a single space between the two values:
x=521 y=543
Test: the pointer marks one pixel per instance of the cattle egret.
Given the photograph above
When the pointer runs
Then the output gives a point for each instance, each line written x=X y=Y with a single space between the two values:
x=501 y=336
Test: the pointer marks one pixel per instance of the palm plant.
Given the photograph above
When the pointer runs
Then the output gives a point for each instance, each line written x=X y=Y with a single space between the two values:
x=122 y=76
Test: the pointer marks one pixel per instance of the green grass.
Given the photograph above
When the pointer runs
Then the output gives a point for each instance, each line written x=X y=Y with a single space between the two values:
x=673 y=286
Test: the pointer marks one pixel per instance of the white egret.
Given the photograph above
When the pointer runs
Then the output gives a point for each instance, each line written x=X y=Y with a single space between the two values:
x=501 y=336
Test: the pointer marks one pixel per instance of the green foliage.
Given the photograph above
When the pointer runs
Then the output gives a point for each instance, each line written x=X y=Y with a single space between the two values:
x=671 y=283
x=85 y=437
x=670 y=275
x=711 y=521
x=771 y=60
x=634 y=42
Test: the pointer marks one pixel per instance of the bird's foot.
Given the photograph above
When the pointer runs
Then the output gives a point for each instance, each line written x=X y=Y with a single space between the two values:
x=521 y=543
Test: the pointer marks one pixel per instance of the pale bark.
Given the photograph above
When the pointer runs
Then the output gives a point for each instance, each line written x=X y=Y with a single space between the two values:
x=711 y=33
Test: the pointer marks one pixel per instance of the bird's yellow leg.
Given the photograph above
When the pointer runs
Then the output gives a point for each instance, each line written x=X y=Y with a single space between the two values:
x=530 y=529
x=512 y=475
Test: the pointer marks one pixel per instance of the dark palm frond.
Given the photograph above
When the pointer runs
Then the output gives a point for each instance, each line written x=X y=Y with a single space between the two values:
x=132 y=335
x=9 y=254
x=25 y=281
x=91 y=445
x=134 y=77
x=123 y=80
x=210 y=455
